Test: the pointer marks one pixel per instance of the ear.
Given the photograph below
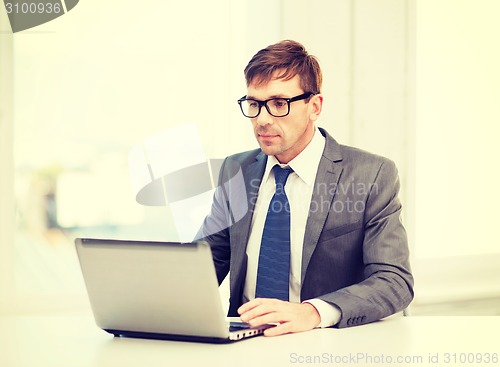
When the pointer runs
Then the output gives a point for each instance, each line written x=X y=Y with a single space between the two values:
x=316 y=104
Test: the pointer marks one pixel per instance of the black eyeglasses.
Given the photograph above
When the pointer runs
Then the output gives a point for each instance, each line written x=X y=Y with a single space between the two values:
x=277 y=107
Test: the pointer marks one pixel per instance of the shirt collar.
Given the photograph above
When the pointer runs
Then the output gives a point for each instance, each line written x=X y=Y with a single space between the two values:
x=305 y=165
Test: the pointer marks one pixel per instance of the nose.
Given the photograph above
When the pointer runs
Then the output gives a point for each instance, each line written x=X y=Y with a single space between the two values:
x=264 y=118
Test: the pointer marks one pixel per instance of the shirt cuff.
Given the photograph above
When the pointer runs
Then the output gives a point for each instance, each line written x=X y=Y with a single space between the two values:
x=329 y=314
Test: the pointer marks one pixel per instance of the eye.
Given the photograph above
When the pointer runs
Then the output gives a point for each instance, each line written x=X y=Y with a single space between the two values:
x=252 y=103
x=279 y=103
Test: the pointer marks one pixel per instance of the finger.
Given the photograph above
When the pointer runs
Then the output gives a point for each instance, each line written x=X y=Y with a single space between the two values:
x=261 y=307
x=249 y=305
x=273 y=317
x=252 y=316
x=280 y=329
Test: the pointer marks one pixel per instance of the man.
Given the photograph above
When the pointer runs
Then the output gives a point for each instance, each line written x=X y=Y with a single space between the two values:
x=321 y=243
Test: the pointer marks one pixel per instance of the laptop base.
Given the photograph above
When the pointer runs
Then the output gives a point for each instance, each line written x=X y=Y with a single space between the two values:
x=175 y=337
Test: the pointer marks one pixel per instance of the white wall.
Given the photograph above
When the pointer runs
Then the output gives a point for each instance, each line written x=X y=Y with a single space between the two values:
x=6 y=169
x=458 y=125
x=458 y=90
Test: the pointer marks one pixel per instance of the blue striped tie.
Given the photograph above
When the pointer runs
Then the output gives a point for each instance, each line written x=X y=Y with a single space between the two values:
x=273 y=273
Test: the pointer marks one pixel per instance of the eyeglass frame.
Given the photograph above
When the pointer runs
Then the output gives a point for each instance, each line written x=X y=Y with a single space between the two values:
x=264 y=103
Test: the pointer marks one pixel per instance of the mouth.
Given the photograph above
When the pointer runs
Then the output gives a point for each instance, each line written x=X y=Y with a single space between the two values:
x=265 y=135
x=268 y=136
x=267 y=139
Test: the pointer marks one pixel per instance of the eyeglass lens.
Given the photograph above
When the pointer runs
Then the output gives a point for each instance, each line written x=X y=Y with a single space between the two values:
x=277 y=107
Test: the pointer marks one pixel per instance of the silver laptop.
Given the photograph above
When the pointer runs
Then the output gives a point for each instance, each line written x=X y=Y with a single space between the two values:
x=160 y=290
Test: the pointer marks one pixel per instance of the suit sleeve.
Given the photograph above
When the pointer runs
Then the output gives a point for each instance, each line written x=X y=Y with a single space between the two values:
x=215 y=228
x=387 y=287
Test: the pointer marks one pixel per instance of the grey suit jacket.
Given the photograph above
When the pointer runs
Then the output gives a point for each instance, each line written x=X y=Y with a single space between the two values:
x=355 y=253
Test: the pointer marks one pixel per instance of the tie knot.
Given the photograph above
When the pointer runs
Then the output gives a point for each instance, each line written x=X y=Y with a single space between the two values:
x=281 y=175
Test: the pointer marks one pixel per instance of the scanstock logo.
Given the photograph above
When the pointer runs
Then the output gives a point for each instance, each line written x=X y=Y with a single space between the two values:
x=171 y=169
x=25 y=14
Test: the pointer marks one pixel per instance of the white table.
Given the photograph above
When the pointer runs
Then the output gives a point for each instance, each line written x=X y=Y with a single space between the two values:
x=74 y=340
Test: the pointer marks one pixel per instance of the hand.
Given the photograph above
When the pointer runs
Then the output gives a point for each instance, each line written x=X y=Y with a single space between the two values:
x=290 y=317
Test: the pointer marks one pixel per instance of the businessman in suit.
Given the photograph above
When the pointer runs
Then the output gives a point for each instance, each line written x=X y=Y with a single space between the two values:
x=318 y=240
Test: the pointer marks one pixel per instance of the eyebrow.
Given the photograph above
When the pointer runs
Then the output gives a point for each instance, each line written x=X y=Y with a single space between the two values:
x=273 y=96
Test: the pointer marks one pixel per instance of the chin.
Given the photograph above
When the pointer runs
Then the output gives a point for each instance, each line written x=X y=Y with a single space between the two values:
x=268 y=150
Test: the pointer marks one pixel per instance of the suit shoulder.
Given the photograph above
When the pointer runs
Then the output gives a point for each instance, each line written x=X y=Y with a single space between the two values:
x=239 y=161
x=352 y=154
x=244 y=158
x=359 y=159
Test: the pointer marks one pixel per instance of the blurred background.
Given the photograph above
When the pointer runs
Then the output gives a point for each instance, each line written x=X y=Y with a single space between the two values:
x=415 y=81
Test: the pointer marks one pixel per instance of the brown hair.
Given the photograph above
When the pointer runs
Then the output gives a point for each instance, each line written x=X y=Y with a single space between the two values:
x=289 y=57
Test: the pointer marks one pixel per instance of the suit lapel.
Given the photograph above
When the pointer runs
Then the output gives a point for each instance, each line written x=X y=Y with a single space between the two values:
x=327 y=178
x=240 y=231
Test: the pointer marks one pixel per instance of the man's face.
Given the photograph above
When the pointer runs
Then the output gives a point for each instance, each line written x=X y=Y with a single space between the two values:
x=284 y=137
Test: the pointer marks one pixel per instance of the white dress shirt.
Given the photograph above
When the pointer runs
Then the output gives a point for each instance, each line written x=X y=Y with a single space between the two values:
x=298 y=189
